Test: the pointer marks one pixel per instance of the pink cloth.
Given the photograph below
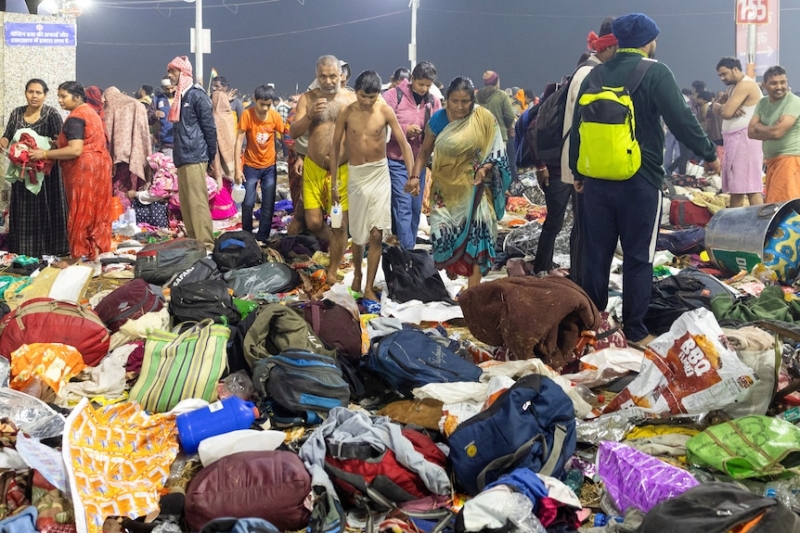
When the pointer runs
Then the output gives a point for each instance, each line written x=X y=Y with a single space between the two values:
x=221 y=204
x=741 y=166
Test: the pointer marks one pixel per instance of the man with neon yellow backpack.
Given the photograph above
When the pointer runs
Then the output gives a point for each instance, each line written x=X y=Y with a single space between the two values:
x=616 y=155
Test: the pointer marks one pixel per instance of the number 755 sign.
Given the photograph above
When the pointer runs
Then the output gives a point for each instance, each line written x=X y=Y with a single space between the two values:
x=752 y=11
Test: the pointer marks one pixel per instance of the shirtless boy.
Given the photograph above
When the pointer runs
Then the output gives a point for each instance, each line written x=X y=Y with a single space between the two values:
x=316 y=114
x=363 y=126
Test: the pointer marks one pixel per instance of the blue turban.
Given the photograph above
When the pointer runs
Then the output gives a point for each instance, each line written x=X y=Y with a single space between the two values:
x=634 y=30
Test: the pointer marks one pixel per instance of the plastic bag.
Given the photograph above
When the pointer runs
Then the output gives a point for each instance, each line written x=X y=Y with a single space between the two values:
x=635 y=479
x=604 y=366
x=30 y=414
x=496 y=507
x=689 y=369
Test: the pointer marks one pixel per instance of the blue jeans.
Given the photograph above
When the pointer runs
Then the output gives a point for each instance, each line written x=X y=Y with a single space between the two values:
x=268 y=179
x=406 y=209
x=630 y=211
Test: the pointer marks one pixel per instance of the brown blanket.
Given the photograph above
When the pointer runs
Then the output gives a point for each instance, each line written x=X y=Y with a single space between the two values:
x=533 y=317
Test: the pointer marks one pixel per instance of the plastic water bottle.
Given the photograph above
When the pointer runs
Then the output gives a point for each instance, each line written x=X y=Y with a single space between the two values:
x=336 y=216
x=238 y=193
x=219 y=417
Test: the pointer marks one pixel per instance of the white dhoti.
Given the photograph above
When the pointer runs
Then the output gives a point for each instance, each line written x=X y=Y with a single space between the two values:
x=369 y=192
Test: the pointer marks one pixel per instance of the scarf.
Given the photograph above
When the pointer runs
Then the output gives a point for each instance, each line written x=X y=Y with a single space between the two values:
x=128 y=131
x=94 y=97
x=184 y=82
x=600 y=44
x=223 y=118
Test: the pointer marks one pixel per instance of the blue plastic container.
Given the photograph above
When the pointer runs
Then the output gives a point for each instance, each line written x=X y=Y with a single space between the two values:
x=219 y=417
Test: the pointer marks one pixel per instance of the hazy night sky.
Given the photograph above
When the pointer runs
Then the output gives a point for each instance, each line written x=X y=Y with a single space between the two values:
x=528 y=42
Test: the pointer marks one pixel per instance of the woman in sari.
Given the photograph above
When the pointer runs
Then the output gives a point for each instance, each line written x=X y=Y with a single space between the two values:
x=470 y=177
x=86 y=167
x=37 y=222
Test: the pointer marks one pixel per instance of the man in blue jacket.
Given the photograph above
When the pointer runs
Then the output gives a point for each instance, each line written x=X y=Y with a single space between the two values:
x=195 y=146
x=163 y=127
x=630 y=210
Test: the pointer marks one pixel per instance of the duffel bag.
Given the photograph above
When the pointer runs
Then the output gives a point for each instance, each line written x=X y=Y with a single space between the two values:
x=53 y=321
x=237 y=249
x=272 y=485
x=335 y=325
x=198 y=300
x=272 y=278
x=684 y=214
x=302 y=382
x=157 y=263
x=128 y=302
x=531 y=425
x=409 y=359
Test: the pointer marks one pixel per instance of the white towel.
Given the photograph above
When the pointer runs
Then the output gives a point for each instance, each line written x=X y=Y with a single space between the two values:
x=369 y=196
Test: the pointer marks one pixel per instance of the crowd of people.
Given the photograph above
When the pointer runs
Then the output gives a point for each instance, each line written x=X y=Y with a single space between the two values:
x=376 y=150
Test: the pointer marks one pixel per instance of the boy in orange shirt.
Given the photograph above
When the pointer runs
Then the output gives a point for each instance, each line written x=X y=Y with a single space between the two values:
x=260 y=123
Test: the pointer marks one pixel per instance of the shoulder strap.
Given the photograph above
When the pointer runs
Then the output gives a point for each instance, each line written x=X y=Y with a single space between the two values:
x=637 y=75
x=399 y=97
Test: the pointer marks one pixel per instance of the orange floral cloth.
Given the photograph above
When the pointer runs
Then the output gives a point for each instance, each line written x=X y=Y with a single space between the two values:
x=118 y=460
x=54 y=364
x=87 y=184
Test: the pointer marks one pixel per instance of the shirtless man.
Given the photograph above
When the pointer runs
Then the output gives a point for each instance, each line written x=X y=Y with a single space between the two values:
x=316 y=114
x=741 y=166
x=363 y=126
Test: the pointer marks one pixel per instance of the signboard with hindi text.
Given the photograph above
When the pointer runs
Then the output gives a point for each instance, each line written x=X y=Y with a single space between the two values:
x=39 y=34
x=767 y=36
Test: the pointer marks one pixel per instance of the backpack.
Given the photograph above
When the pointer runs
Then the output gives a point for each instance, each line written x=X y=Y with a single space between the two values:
x=428 y=103
x=608 y=148
x=687 y=290
x=278 y=328
x=531 y=425
x=302 y=382
x=204 y=269
x=363 y=474
x=685 y=214
x=198 y=300
x=237 y=249
x=717 y=507
x=235 y=349
x=548 y=134
x=683 y=241
x=272 y=278
x=157 y=263
x=412 y=275
x=335 y=325
x=409 y=359
x=128 y=302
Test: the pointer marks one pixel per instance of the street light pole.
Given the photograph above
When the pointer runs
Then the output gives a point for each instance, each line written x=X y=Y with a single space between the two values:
x=198 y=40
x=412 y=47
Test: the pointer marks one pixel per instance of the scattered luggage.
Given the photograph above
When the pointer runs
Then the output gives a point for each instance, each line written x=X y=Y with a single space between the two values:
x=411 y=275
x=271 y=278
x=52 y=321
x=128 y=302
x=237 y=249
x=158 y=263
x=335 y=325
x=203 y=270
x=684 y=214
x=200 y=300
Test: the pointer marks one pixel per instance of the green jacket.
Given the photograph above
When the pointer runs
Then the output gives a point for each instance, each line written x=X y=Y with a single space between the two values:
x=499 y=104
x=658 y=95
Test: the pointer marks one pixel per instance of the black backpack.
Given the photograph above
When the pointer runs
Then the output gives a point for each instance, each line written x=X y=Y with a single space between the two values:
x=237 y=249
x=411 y=275
x=549 y=133
x=687 y=290
x=204 y=269
x=157 y=263
x=718 y=508
x=199 y=300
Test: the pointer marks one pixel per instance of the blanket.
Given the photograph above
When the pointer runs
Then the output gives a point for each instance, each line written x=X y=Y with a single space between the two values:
x=533 y=317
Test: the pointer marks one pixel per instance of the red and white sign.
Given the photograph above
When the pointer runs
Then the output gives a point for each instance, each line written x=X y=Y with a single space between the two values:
x=752 y=11
x=767 y=34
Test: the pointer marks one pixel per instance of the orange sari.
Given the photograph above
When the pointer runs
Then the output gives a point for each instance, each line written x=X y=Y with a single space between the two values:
x=87 y=184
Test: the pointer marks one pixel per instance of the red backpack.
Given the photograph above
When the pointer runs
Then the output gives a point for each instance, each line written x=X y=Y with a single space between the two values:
x=362 y=474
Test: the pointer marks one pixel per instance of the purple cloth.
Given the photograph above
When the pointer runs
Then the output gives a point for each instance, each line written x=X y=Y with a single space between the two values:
x=635 y=479
x=742 y=163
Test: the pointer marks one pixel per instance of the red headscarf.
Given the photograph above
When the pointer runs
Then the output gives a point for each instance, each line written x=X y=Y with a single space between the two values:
x=600 y=44
x=184 y=82
x=94 y=97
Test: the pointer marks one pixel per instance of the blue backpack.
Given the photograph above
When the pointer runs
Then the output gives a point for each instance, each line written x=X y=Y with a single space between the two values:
x=531 y=425
x=409 y=359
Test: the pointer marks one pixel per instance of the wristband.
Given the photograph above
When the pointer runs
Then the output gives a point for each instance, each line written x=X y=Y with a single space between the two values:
x=414 y=178
x=45 y=154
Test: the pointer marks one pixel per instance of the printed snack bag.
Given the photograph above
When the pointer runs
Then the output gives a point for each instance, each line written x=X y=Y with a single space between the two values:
x=691 y=369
